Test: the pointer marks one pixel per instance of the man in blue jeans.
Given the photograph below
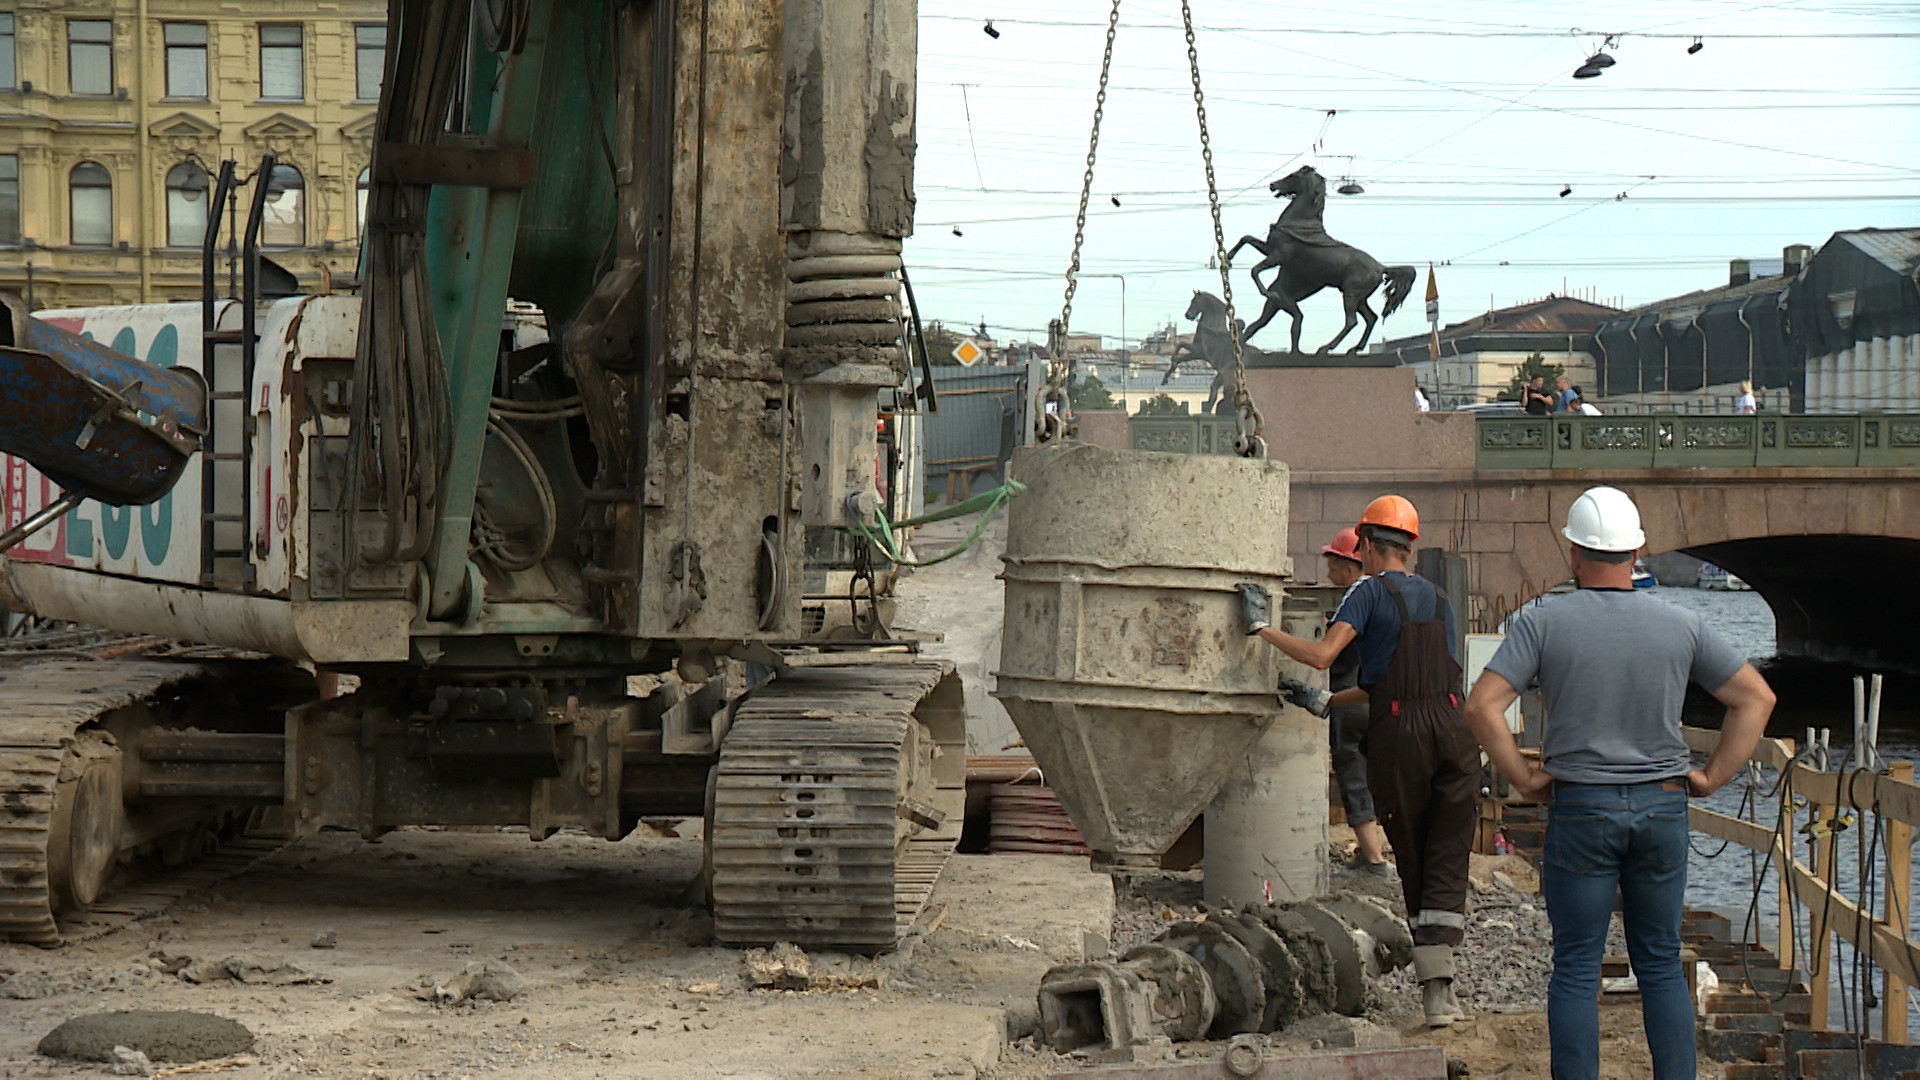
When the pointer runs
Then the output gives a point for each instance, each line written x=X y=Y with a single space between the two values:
x=1614 y=665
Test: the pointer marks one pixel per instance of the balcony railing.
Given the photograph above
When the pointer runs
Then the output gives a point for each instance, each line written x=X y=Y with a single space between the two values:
x=1673 y=440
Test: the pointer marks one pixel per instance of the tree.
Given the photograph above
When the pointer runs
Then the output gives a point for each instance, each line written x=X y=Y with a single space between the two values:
x=1088 y=392
x=940 y=343
x=1162 y=405
x=1524 y=372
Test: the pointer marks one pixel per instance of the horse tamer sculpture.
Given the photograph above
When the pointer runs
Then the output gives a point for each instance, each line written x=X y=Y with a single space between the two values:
x=1309 y=260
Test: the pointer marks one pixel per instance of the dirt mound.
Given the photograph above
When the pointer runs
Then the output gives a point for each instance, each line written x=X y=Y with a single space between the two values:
x=162 y=1036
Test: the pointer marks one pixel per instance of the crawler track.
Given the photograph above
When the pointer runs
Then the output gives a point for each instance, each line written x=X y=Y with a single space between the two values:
x=46 y=703
x=809 y=844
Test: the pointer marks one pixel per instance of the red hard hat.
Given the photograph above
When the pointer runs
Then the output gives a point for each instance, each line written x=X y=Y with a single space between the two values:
x=1392 y=512
x=1345 y=546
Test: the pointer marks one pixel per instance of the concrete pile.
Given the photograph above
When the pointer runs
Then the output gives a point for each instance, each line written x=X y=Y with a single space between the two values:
x=1225 y=974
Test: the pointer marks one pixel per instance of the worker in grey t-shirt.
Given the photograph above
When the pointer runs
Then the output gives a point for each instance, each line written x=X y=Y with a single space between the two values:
x=1613 y=665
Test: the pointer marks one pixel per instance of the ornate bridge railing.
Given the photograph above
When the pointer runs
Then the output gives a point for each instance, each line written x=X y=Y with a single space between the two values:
x=1671 y=440
x=1181 y=434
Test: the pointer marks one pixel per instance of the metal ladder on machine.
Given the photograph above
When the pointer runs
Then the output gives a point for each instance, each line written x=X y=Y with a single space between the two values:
x=226 y=459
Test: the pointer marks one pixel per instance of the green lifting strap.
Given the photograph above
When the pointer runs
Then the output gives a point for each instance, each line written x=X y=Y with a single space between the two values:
x=987 y=504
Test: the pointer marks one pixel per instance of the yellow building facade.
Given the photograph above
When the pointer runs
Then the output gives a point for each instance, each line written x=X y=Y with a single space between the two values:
x=116 y=114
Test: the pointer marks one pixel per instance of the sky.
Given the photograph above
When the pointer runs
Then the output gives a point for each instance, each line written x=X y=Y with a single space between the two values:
x=1462 y=121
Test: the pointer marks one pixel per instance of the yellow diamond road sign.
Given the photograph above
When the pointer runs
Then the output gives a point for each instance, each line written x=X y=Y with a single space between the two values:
x=968 y=353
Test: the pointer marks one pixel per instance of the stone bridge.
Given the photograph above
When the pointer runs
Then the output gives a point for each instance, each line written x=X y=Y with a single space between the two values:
x=1817 y=513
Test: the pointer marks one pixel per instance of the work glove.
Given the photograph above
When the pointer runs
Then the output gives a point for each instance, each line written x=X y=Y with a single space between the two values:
x=1311 y=698
x=1256 y=604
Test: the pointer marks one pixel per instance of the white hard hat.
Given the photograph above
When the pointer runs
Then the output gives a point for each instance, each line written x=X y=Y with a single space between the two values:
x=1604 y=519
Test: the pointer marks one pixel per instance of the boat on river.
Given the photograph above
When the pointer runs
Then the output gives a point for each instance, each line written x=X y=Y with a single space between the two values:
x=1718 y=579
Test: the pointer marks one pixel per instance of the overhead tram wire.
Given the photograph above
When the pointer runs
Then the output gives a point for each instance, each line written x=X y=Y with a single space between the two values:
x=1517 y=32
x=1667 y=200
x=1599 y=119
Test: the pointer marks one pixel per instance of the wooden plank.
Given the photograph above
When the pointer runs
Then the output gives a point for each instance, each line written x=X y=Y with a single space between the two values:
x=1785 y=947
x=1861 y=789
x=1893 y=996
x=1773 y=753
x=1820 y=905
x=1883 y=944
x=1724 y=827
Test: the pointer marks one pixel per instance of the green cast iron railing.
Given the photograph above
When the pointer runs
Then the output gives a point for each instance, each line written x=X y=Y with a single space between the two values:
x=1673 y=440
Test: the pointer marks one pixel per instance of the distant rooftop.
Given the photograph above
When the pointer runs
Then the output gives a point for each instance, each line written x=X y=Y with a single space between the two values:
x=1897 y=249
x=1702 y=297
x=1553 y=315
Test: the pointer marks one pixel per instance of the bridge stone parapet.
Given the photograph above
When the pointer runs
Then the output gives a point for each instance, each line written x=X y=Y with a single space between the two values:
x=1816 y=512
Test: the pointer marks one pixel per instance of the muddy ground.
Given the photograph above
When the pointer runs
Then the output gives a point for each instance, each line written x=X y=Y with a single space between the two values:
x=616 y=971
x=620 y=976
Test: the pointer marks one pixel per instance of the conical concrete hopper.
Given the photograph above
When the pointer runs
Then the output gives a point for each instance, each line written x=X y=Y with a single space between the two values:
x=1125 y=662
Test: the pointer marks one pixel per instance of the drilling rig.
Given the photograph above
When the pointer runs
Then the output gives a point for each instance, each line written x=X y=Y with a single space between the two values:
x=556 y=489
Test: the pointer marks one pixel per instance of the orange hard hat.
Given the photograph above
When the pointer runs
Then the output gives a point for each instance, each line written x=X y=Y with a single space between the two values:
x=1345 y=546
x=1392 y=512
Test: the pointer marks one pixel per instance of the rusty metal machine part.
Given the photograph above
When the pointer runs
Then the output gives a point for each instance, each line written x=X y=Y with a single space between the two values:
x=1252 y=971
x=1153 y=990
x=836 y=805
x=65 y=774
x=839 y=795
x=1124 y=664
x=702 y=205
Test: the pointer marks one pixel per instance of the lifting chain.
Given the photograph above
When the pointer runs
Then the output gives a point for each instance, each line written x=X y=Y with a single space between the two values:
x=1250 y=441
x=1051 y=422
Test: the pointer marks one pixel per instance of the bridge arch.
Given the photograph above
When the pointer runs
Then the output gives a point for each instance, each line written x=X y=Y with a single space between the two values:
x=1834 y=552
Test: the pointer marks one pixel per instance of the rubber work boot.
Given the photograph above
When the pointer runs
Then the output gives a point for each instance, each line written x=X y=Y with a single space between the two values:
x=1433 y=966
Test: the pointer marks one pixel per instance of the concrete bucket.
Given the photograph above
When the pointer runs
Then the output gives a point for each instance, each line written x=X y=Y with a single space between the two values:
x=1125 y=661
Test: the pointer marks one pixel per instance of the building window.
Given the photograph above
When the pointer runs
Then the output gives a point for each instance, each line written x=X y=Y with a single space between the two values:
x=9 y=199
x=360 y=188
x=369 y=60
x=90 y=56
x=283 y=69
x=186 y=60
x=90 y=203
x=285 y=221
x=9 y=75
x=186 y=205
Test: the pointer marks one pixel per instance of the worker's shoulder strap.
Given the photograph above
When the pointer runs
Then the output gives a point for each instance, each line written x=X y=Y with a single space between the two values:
x=1393 y=590
x=1399 y=601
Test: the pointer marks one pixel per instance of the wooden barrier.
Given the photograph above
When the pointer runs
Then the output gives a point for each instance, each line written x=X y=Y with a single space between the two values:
x=1881 y=938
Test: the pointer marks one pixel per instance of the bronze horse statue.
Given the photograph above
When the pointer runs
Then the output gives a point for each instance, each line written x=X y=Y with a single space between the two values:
x=1309 y=260
x=1211 y=343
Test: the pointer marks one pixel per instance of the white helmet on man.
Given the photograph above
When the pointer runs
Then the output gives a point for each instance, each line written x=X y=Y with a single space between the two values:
x=1605 y=519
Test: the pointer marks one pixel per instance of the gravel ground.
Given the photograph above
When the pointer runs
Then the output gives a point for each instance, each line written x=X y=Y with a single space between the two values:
x=1504 y=964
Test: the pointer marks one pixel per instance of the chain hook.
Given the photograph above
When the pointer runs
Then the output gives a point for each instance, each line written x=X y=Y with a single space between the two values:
x=1048 y=426
x=1250 y=440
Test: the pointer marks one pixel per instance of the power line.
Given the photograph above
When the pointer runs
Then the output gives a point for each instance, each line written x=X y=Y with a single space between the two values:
x=1516 y=32
x=1445 y=200
x=967 y=106
x=1601 y=119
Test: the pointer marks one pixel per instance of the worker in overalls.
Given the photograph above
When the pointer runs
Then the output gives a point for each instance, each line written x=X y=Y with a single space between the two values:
x=1423 y=764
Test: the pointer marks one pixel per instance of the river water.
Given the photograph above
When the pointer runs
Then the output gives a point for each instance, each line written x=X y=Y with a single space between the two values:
x=1722 y=878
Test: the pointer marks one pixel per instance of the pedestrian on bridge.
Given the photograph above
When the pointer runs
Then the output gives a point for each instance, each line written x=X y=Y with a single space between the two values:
x=1423 y=768
x=1613 y=664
